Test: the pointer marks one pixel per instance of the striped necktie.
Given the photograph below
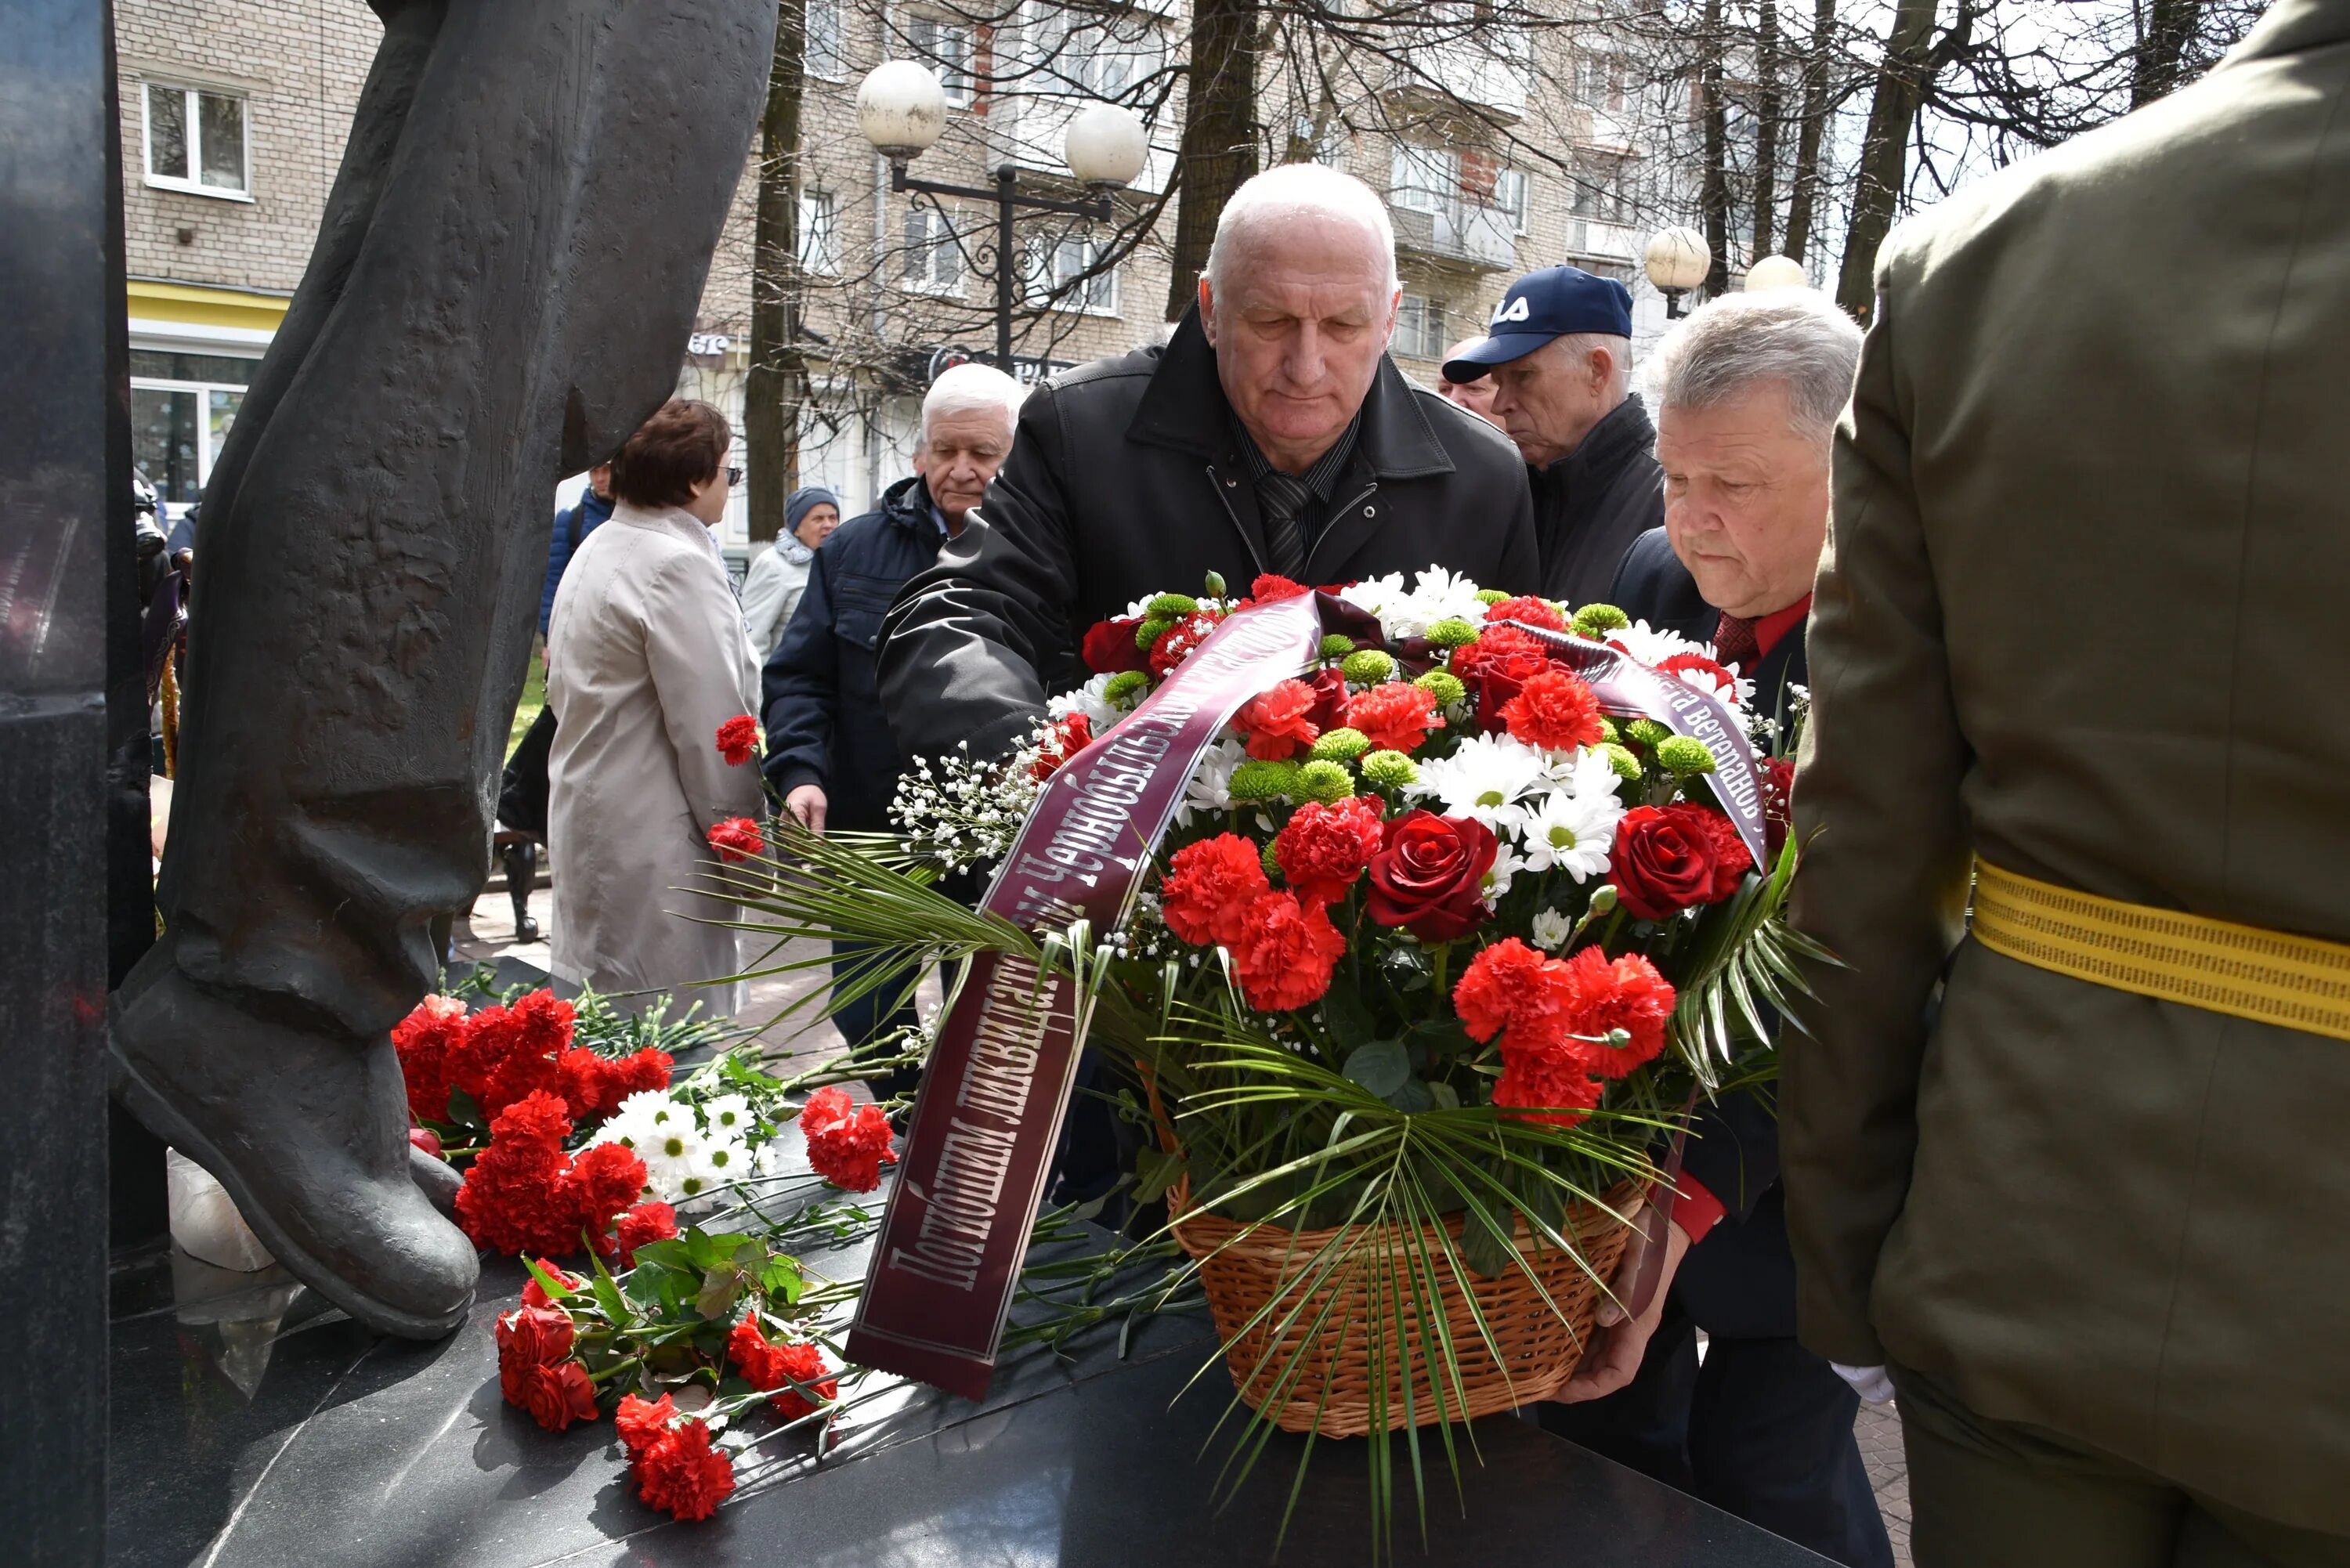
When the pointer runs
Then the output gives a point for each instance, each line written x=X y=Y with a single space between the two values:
x=1283 y=500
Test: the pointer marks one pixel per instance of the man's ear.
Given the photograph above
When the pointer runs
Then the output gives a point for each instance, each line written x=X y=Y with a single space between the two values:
x=1394 y=314
x=1208 y=310
x=1603 y=368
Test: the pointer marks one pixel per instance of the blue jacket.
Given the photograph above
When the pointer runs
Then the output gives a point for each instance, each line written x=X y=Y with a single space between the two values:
x=585 y=517
x=1740 y=1282
x=822 y=699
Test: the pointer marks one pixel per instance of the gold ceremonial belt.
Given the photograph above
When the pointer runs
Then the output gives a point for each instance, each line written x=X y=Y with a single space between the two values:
x=2270 y=977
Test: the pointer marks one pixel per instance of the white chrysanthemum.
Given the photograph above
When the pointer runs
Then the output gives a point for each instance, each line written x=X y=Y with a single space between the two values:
x=1210 y=786
x=1573 y=833
x=1140 y=610
x=1740 y=692
x=1377 y=596
x=1552 y=929
x=640 y=1118
x=672 y=1156
x=1653 y=645
x=719 y=1164
x=1439 y=594
x=727 y=1116
x=1091 y=699
x=1483 y=779
x=1507 y=864
x=1435 y=594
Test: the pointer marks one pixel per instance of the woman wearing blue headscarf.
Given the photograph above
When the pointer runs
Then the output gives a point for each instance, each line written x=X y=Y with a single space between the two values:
x=778 y=577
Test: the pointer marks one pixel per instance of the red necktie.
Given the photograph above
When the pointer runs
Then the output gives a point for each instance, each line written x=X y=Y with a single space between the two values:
x=1733 y=641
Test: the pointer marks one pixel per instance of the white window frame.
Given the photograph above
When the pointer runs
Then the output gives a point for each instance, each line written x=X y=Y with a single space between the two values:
x=957 y=80
x=207 y=451
x=1049 y=272
x=833 y=67
x=819 y=261
x=1426 y=343
x=1442 y=163
x=192 y=183
x=1131 y=41
x=1522 y=210
x=939 y=235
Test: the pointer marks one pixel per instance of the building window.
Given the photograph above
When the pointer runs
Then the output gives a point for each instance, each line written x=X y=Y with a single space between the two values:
x=1424 y=179
x=946 y=50
x=820 y=244
x=196 y=141
x=1510 y=196
x=1419 y=327
x=1597 y=190
x=821 y=51
x=1328 y=149
x=1599 y=81
x=182 y=406
x=932 y=262
x=1105 y=57
x=1058 y=273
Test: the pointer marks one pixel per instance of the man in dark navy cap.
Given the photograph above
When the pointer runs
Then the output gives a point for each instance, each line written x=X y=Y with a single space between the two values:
x=1559 y=354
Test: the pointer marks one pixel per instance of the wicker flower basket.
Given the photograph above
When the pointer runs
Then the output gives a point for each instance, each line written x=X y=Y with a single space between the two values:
x=1243 y=1267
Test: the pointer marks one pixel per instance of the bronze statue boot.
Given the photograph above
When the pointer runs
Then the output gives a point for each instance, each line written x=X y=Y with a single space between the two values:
x=307 y=1130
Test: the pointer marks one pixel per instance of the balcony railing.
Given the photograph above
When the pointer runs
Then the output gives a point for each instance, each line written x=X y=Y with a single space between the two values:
x=1462 y=232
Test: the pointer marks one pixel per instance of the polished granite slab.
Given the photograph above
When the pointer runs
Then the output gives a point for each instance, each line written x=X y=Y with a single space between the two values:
x=252 y=1431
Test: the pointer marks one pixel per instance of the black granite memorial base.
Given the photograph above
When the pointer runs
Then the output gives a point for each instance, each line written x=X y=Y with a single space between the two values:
x=254 y=1429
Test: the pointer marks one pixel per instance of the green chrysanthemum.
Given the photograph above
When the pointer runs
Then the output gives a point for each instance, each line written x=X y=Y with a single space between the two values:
x=1598 y=620
x=1648 y=732
x=1491 y=595
x=1367 y=667
x=1272 y=864
x=1341 y=745
x=1443 y=685
x=1451 y=632
x=1626 y=765
x=1259 y=779
x=1336 y=646
x=1608 y=731
x=1148 y=634
x=1171 y=606
x=1126 y=683
x=1390 y=770
x=1325 y=780
x=1685 y=755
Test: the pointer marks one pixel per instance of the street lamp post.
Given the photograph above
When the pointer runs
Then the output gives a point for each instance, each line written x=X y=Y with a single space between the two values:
x=902 y=111
x=1677 y=261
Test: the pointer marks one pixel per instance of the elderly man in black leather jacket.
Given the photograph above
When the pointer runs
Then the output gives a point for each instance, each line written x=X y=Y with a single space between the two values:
x=1271 y=434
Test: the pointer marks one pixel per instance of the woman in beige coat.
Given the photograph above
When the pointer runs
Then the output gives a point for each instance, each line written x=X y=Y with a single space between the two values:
x=647 y=655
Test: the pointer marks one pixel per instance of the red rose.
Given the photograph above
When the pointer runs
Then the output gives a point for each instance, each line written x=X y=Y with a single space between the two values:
x=737 y=838
x=738 y=738
x=1285 y=953
x=1511 y=989
x=1109 y=648
x=1179 y=641
x=846 y=1143
x=1626 y=993
x=1279 y=722
x=1531 y=611
x=533 y=1340
x=681 y=1472
x=1668 y=858
x=557 y=1396
x=1429 y=873
x=1325 y=847
x=1553 y=710
x=1205 y=895
x=1502 y=659
x=1270 y=590
x=1330 y=709
x=430 y=1142
x=1394 y=716
x=642 y=1421
x=1725 y=684
x=1777 y=778
x=641 y=1225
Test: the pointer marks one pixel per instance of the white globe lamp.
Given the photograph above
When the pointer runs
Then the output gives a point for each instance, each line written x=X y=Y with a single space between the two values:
x=1106 y=146
x=1676 y=259
x=901 y=109
x=1777 y=272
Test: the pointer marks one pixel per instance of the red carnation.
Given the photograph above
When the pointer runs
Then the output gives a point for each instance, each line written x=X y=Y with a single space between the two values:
x=1178 y=642
x=1555 y=1084
x=1511 y=989
x=1109 y=648
x=737 y=838
x=1725 y=683
x=738 y=738
x=1279 y=722
x=1553 y=710
x=594 y=1086
x=642 y=1421
x=1531 y=611
x=681 y=1472
x=1271 y=589
x=846 y=1143
x=1325 y=847
x=773 y=1369
x=604 y=1180
x=1065 y=740
x=1668 y=858
x=1285 y=953
x=641 y=1225
x=534 y=1294
x=1428 y=876
x=1394 y=716
x=1626 y=993
x=429 y=1042
x=1209 y=887
x=524 y=1195
x=510 y=1052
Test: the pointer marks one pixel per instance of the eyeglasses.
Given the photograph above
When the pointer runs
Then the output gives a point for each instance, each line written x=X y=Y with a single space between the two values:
x=733 y=477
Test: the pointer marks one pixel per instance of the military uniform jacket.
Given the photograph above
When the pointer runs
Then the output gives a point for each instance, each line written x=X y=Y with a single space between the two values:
x=2091 y=500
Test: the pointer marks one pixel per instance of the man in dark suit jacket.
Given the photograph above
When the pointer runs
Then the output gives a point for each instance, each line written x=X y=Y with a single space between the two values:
x=1751 y=386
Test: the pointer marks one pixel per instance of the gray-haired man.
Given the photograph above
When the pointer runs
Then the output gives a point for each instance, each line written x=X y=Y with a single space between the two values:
x=1749 y=389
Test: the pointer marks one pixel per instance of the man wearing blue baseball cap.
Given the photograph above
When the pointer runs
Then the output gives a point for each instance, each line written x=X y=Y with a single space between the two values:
x=1559 y=353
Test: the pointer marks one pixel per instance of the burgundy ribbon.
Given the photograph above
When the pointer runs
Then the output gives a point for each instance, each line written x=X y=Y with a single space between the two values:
x=988 y=1116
